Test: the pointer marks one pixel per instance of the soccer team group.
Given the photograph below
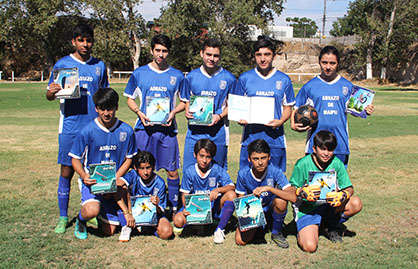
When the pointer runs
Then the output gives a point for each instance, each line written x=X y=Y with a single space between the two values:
x=90 y=133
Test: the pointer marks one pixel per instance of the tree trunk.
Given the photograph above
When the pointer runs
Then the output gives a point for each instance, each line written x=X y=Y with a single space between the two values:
x=386 y=48
x=369 y=57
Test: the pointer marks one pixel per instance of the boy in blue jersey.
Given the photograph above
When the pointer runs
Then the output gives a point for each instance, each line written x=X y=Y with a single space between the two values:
x=208 y=80
x=104 y=140
x=329 y=94
x=142 y=180
x=207 y=177
x=75 y=113
x=339 y=206
x=270 y=184
x=266 y=81
x=158 y=79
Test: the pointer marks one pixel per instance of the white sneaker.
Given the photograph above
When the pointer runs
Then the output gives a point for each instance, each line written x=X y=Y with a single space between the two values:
x=219 y=236
x=125 y=234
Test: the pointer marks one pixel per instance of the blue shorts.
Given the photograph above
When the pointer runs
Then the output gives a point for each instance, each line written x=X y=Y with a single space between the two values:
x=164 y=147
x=189 y=159
x=315 y=217
x=65 y=142
x=108 y=207
x=278 y=157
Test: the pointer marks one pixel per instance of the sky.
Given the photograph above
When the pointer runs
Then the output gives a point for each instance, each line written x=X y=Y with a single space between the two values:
x=312 y=9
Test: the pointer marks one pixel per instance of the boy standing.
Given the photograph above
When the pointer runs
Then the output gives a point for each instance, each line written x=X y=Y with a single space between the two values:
x=266 y=81
x=207 y=177
x=158 y=79
x=340 y=205
x=142 y=180
x=208 y=80
x=104 y=140
x=270 y=184
x=75 y=113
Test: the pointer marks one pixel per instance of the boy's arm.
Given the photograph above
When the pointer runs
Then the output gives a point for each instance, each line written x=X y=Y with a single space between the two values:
x=126 y=209
x=179 y=108
x=287 y=111
x=288 y=194
x=53 y=88
x=136 y=109
x=78 y=167
x=124 y=168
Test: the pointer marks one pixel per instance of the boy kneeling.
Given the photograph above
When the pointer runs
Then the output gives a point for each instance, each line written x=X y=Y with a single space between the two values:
x=207 y=177
x=142 y=180
x=339 y=206
x=270 y=184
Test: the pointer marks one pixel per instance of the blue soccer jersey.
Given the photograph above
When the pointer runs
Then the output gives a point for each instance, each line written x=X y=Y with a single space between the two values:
x=77 y=113
x=198 y=82
x=148 y=81
x=276 y=85
x=273 y=177
x=330 y=99
x=156 y=187
x=215 y=177
x=97 y=144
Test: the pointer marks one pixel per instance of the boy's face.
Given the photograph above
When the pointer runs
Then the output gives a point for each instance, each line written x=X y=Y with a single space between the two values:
x=144 y=171
x=107 y=116
x=203 y=159
x=159 y=54
x=210 y=57
x=328 y=64
x=83 y=46
x=264 y=58
x=260 y=161
x=322 y=155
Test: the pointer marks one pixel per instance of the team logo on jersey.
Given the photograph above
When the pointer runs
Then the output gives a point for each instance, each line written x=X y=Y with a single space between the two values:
x=279 y=84
x=98 y=71
x=212 y=182
x=345 y=90
x=173 y=80
x=155 y=191
x=123 y=136
x=222 y=85
x=270 y=182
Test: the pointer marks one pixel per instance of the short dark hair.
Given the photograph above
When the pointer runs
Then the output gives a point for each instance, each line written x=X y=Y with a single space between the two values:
x=211 y=43
x=206 y=144
x=329 y=50
x=83 y=30
x=264 y=42
x=325 y=139
x=259 y=146
x=143 y=157
x=161 y=40
x=106 y=98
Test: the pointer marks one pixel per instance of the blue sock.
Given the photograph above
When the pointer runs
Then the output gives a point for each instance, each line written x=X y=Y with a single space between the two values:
x=63 y=193
x=343 y=218
x=173 y=191
x=278 y=220
x=226 y=213
x=80 y=218
x=122 y=219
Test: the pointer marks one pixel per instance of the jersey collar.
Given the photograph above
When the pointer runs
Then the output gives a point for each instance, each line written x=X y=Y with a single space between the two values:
x=207 y=172
x=203 y=70
x=149 y=184
x=262 y=177
x=273 y=71
x=104 y=128
x=336 y=79
x=82 y=62
x=158 y=71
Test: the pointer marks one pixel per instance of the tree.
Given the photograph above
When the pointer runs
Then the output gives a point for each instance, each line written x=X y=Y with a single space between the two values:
x=302 y=27
x=188 y=22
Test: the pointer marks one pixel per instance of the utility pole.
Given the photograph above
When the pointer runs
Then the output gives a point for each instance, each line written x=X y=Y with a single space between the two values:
x=323 y=21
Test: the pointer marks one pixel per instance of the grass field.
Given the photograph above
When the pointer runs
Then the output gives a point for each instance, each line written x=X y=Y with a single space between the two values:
x=383 y=169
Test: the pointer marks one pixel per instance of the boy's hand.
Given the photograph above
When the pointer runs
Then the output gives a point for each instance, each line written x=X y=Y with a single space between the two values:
x=188 y=114
x=88 y=181
x=336 y=198
x=242 y=122
x=170 y=118
x=185 y=213
x=154 y=200
x=310 y=193
x=257 y=191
x=130 y=220
x=121 y=183
x=144 y=119
x=213 y=194
x=369 y=109
x=274 y=123
x=298 y=127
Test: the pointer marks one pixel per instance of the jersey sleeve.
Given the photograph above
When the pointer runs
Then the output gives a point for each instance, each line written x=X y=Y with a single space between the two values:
x=104 y=82
x=130 y=89
x=225 y=179
x=301 y=97
x=185 y=90
x=129 y=178
x=298 y=177
x=132 y=148
x=79 y=146
x=186 y=183
x=239 y=88
x=281 y=179
x=342 y=177
x=289 y=97
x=240 y=187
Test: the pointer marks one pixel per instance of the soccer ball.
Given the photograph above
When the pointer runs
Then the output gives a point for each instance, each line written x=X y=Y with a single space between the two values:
x=306 y=115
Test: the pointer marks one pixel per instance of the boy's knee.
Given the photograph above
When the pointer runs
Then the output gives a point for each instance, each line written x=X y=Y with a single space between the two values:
x=356 y=205
x=90 y=210
x=172 y=174
x=309 y=246
x=230 y=195
x=165 y=232
x=280 y=205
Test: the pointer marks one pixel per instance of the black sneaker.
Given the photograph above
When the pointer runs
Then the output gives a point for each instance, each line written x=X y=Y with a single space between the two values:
x=334 y=236
x=280 y=240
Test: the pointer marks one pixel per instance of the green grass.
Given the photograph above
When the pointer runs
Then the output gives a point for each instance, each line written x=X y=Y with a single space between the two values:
x=382 y=168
